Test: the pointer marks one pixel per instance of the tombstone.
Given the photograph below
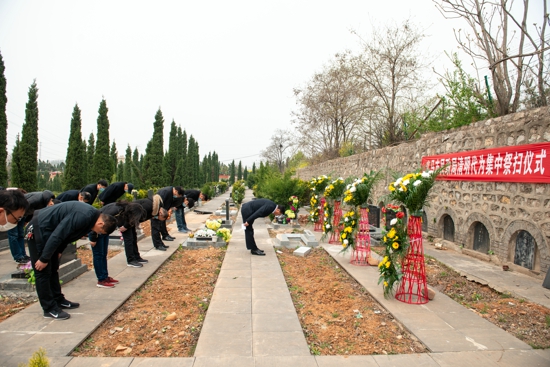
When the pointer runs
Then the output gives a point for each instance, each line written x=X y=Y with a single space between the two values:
x=525 y=250
x=390 y=214
x=448 y=228
x=374 y=216
x=481 y=238
x=150 y=194
x=546 y=283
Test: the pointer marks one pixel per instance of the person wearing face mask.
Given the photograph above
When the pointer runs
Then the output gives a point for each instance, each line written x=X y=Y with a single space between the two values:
x=171 y=196
x=114 y=191
x=13 y=206
x=95 y=189
x=47 y=235
x=37 y=200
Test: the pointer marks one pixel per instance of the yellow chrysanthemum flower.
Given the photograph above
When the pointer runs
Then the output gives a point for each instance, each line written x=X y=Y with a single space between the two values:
x=344 y=235
x=385 y=283
x=388 y=264
x=391 y=233
x=395 y=245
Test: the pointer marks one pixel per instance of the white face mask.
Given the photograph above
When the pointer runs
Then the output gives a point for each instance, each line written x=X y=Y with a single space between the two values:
x=8 y=225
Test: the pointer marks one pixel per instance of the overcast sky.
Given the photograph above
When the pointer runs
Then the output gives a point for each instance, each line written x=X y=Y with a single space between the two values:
x=223 y=70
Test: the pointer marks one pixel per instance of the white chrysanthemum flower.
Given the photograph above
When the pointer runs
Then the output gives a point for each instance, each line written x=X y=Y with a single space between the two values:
x=346 y=242
x=425 y=174
x=327 y=226
x=400 y=189
x=398 y=181
x=346 y=219
x=353 y=189
x=416 y=183
x=406 y=182
x=393 y=221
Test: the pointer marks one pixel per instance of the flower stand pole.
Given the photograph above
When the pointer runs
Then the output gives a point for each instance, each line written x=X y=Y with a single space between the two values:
x=413 y=288
x=336 y=216
x=318 y=227
x=361 y=253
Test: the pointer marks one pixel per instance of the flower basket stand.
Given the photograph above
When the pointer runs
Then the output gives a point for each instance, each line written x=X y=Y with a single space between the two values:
x=413 y=288
x=318 y=227
x=361 y=253
x=337 y=215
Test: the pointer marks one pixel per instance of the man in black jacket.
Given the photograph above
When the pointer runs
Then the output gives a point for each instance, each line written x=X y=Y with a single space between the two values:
x=251 y=211
x=153 y=210
x=172 y=196
x=114 y=191
x=48 y=234
x=74 y=195
x=95 y=189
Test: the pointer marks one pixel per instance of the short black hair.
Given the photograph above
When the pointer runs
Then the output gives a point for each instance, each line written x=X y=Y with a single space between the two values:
x=86 y=196
x=179 y=190
x=190 y=203
x=205 y=196
x=13 y=200
x=281 y=208
x=103 y=183
x=109 y=223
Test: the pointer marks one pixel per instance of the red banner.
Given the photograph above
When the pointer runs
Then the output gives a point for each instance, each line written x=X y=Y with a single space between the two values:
x=522 y=163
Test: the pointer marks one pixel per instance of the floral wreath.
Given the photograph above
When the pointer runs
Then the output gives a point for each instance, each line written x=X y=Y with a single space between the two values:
x=317 y=185
x=396 y=244
x=358 y=192
x=314 y=212
x=294 y=204
x=335 y=190
x=412 y=190
x=349 y=224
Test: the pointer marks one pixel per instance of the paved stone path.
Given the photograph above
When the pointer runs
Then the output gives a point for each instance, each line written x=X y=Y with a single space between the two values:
x=251 y=320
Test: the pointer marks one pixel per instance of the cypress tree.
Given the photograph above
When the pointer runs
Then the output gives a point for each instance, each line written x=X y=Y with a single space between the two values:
x=90 y=151
x=254 y=167
x=245 y=173
x=15 y=164
x=190 y=174
x=102 y=166
x=114 y=162
x=74 y=175
x=240 y=172
x=120 y=172
x=171 y=157
x=28 y=147
x=232 y=173
x=135 y=163
x=128 y=165
x=154 y=154
x=3 y=126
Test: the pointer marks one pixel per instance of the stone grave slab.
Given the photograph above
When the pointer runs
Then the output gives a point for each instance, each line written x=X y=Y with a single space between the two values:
x=302 y=251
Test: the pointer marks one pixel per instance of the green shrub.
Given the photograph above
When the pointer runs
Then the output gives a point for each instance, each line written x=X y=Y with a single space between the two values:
x=38 y=359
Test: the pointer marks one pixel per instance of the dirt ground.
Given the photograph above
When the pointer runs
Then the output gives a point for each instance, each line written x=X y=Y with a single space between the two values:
x=338 y=316
x=164 y=317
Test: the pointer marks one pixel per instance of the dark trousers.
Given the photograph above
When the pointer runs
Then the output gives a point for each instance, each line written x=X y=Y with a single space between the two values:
x=47 y=280
x=180 y=218
x=17 y=241
x=130 y=245
x=249 y=231
x=156 y=230
x=100 y=251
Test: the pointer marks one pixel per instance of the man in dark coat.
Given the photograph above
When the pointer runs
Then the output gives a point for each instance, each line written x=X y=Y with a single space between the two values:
x=114 y=191
x=48 y=234
x=74 y=195
x=37 y=200
x=95 y=189
x=251 y=211
x=172 y=196
x=153 y=210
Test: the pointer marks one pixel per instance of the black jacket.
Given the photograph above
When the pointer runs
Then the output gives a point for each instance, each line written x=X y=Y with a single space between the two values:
x=116 y=211
x=37 y=200
x=147 y=205
x=258 y=208
x=193 y=194
x=112 y=192
x=62 y=224
x=92 y=189
x=69 y=195
x=167 y=195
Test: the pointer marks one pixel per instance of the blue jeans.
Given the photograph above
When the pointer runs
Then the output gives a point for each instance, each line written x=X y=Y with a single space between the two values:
x=180 y=219
x=100 y=256
x=17 y=241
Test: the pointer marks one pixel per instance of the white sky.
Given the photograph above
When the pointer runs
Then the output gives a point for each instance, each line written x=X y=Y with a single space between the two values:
x=223 y=70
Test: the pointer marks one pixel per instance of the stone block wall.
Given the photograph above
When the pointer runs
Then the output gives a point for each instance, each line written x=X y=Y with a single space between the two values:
x=503 y=208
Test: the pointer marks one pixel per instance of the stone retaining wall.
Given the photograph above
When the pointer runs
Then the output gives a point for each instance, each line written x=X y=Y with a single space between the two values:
x=503 y=208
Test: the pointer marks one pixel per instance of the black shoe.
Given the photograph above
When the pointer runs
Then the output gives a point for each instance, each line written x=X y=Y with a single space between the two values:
x=161 y=248
x=262 y=251
x=257 y=252
x=69 y=304
x=22 y=261
x=135 y=264
x=165 y=246
x=26 y=257
x=167 y=238
x=143 y=261
x=56 y=315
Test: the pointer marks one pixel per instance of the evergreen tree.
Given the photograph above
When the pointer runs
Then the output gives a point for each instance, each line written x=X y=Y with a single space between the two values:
x=240 y=172
x=85 y=161
x=191 y=171
x=102 y=166
x=215 y=167
x=135 y=163
x=128 y=165
x=90 y=151
x=28 y=147
x=120 y=172
x=15 y=164
x=74 y=176
x=254 y=167
x=154 y=155
x=3 y=126
x=181 y=174
x=114 y=162
x=171 y=157
x=232 y=173
x=245 y=173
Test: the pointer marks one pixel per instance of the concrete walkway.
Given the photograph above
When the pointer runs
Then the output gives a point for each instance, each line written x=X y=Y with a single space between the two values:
x=251 y=320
